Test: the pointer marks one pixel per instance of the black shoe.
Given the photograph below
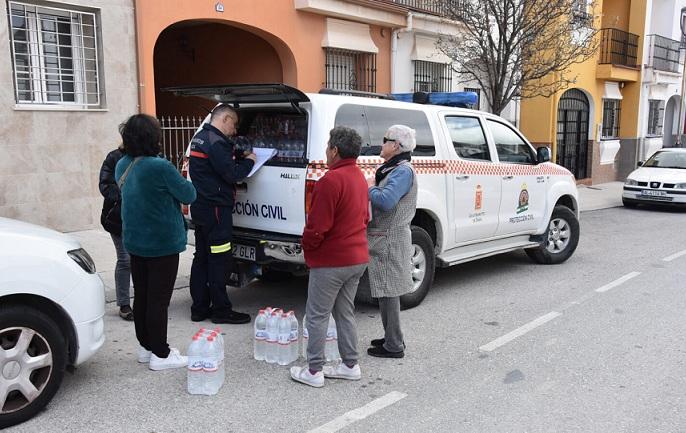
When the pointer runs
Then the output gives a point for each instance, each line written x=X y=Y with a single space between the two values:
x=126 y=313
x=381 y=352
x=198 y=317
x=233 y=318
x=380 y=342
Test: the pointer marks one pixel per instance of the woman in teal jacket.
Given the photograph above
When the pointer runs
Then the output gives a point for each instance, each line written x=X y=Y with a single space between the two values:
x=154 y=234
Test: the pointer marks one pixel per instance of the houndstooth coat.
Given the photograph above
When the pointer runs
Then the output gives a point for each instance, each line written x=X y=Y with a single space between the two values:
x=390 y=245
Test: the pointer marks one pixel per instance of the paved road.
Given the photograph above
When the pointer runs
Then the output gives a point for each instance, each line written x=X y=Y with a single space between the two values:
x=500 y=345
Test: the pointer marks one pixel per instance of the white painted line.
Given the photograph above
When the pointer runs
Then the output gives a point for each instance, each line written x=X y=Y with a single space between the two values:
x=501 y=341
x=360 y=413
x=617 y=282
x=675 y=256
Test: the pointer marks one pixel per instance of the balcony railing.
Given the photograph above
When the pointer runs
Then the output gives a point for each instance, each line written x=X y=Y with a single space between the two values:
x=443 y=8
x=618 y=47
x=663 y=54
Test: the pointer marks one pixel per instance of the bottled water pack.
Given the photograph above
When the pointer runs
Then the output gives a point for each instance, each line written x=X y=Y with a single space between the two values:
x=206 y=371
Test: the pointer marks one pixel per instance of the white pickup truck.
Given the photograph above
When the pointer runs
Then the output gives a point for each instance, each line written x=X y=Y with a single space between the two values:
x=483 y=189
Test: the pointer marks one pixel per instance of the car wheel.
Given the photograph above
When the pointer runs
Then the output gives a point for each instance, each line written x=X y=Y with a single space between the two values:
x=561 y=239
x=33 y=357
x=423 y=268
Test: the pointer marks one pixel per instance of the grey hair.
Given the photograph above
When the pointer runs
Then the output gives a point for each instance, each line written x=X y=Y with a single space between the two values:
x=404 y=136
x=347 y=140
x=222 y=109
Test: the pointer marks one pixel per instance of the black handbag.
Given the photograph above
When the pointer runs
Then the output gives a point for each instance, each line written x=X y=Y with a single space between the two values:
x=112 y=221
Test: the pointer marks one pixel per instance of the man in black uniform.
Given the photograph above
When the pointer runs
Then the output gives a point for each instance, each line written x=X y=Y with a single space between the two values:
x=214 y=170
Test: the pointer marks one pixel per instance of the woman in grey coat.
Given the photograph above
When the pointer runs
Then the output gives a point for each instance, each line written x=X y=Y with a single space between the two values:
x=393 y=195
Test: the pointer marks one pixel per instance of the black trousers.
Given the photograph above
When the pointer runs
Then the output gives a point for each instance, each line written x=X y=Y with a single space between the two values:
x=211 y=261
x=153 y=283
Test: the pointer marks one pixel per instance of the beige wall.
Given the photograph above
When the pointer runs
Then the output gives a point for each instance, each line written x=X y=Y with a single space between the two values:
x=51 y=159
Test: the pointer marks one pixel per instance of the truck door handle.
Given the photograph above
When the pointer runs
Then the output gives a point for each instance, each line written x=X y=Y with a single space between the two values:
x=462 y=177
x=508 y=177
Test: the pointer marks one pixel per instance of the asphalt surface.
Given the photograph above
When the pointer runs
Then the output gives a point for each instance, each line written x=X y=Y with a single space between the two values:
x=607 y=356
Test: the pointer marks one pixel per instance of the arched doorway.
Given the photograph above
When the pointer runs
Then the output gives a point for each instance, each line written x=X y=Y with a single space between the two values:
x=572 y=132
x=196 y=53
x=670 y=122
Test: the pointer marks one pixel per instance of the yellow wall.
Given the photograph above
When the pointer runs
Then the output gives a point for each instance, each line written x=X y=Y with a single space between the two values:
x=616 y=14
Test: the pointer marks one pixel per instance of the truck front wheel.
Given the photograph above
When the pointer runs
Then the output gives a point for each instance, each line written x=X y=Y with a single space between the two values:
x=561 y=238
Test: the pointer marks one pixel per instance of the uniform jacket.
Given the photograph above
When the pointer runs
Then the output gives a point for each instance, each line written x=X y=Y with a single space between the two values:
x=389 y=234
x=334 y=235
x=110 y=191
x=213 y=169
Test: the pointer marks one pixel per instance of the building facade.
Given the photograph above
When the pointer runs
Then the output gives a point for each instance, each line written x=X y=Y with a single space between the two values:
x=67 y=81
x=598 y=128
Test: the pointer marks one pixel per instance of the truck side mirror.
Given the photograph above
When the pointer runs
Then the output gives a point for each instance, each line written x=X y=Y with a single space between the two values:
x=639 y=164
x=542 y=154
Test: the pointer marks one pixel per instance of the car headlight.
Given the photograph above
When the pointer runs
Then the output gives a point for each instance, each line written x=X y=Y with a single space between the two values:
x=631 y=182
x=680 y=186
x=83 y=259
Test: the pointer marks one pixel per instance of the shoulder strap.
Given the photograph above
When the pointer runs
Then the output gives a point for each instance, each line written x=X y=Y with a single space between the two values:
x=122 y=179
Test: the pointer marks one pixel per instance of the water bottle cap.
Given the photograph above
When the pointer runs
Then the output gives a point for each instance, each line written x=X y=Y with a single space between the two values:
x=261 y=312
x=196 y=337
x=284 y=315
x=210 y=338
x=214 y=335
x=217 y=330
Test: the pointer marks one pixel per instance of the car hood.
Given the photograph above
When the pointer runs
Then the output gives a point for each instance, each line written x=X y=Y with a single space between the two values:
x=669 y=175
x=15 y=230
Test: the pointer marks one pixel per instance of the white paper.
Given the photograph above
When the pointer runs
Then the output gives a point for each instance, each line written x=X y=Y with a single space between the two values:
x=263 y=154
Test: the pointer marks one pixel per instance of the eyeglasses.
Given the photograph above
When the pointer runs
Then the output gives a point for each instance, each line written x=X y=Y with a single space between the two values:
x=386 y=140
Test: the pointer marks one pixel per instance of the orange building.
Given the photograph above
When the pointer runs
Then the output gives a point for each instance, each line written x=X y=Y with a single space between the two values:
x=196 y=42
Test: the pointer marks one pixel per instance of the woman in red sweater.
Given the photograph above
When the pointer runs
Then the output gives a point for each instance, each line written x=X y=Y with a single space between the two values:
x=336 y=250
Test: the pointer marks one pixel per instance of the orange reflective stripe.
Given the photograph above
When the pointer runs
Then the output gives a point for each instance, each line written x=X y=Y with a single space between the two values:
x=199 y=154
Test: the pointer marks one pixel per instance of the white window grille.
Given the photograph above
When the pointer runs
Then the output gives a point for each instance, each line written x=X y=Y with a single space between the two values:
x=432 y=77
x=612 y=109
x=656 y=112
x=54 y=56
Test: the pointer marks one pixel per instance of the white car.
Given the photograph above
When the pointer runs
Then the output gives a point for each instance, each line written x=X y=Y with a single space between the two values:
x=52 y=305
x=660 y=180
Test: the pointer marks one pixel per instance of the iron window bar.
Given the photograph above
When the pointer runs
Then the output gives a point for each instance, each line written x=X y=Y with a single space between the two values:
x=350 y=70
x=656 y=111
x=612 y=109
x=54 y=55
x=432 y=76
x=443 y=8
x=618 y=47
x=663 y=54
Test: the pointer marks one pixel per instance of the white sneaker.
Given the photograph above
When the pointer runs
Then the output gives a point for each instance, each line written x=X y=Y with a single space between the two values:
x=173 y=360
x=342 y=371
x=303 y=375
x=143 y=355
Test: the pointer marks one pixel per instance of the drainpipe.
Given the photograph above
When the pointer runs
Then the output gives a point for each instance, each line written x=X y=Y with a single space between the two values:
x=139 y=73
x=394 y=49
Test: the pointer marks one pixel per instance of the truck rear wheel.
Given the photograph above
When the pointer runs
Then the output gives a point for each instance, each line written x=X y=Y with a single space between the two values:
x=561 y=239
x=423 y=268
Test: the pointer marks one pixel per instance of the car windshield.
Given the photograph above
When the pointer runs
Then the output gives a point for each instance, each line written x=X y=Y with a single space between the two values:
x=667 y=160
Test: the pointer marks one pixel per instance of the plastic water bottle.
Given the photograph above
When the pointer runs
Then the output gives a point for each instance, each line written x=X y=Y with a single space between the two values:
x=271 y=354
x=306 y=336
x=293 y=337
x=284 y=340
x=213 y=366
x=196 y=376
x=331 y=347
x=260 y=343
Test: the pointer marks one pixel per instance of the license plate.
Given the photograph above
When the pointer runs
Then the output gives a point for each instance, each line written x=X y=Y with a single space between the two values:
x=245 y=252
x=654 y=193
